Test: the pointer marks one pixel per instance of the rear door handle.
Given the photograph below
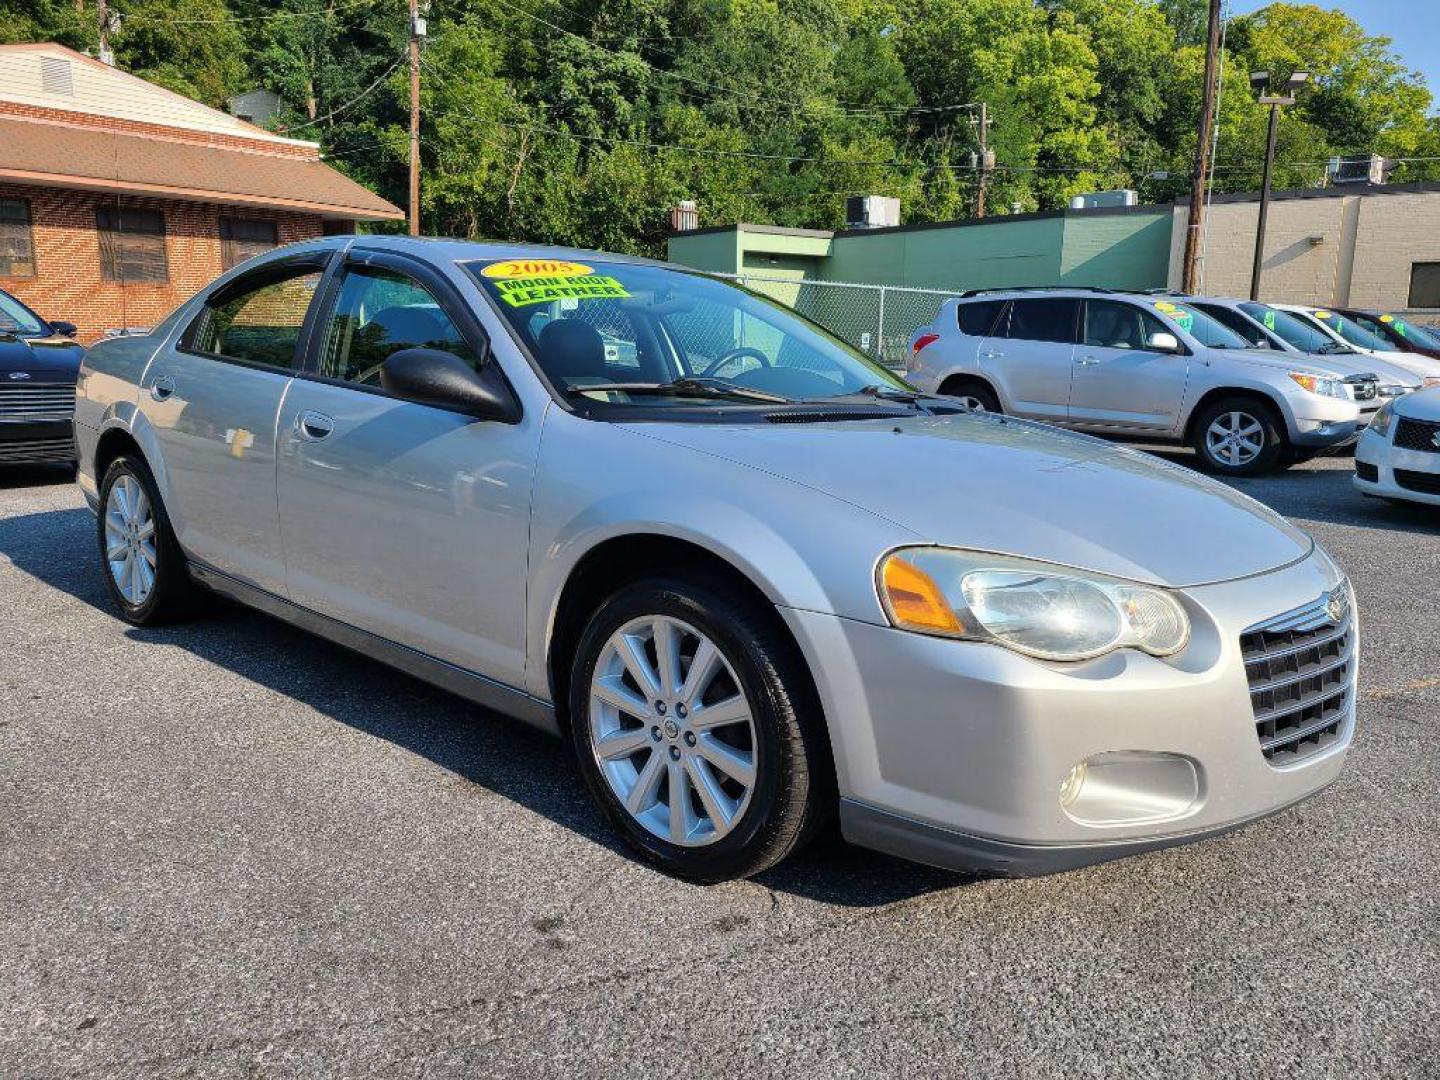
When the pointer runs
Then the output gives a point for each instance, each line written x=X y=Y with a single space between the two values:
x=313 y=426
x=991 y=354
x=1086 y=361
x=162 y=388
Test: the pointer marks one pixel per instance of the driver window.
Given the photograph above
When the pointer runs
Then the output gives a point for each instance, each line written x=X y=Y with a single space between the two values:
x=1111 y=325
x=380 y=312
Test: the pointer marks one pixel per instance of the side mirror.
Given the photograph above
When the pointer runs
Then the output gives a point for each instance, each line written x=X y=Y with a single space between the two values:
x=1162 y=342
x=64 y=329
x=441 y=379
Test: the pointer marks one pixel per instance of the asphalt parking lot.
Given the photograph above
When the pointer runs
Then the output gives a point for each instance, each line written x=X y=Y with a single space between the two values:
x=229 y=849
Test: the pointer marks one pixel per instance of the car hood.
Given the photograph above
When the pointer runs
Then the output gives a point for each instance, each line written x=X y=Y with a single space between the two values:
x=43 y=359
x=1388 y=372
x=1017 y=487
x=1426 y=367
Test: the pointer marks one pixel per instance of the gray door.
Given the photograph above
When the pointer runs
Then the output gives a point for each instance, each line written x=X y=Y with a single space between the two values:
x=212 y=398
x=1119 y=381
x=407 y=521
x=1028 y=356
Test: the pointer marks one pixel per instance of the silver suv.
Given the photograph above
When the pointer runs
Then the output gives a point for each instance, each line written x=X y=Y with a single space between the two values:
x=750 y=576
x=1146 y=367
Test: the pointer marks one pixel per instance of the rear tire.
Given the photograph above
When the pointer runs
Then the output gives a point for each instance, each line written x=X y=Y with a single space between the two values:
x=1240 y=436
x=974 y=394
x=750 y=791
x=144 y=568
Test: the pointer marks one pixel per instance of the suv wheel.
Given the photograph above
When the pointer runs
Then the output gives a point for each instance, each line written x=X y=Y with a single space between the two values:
x=692 y=721
x=1240 y=436
x=974 y=395
x=144 y=568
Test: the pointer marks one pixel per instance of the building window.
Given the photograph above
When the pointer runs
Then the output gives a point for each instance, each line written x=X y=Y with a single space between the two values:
x=132 y=244
x=17 y=242
x=243 y=238
x=1425 y=285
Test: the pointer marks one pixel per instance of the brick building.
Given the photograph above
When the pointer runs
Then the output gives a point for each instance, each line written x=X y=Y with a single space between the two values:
x=120 y=199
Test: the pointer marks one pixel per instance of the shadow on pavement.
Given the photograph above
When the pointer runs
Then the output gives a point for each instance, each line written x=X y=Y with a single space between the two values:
x=491 y=751
x=29 y=476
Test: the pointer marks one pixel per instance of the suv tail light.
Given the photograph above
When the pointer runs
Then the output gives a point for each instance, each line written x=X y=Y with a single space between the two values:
x=920 y=343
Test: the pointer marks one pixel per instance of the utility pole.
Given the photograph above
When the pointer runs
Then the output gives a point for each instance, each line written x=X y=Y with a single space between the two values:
x=102 y=12
x=1202 y=152
x=985 y=159
x=417 y=31
x=1260 y=81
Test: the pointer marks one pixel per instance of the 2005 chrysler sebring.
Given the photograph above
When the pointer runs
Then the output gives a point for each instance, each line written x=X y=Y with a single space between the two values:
x=750 y=575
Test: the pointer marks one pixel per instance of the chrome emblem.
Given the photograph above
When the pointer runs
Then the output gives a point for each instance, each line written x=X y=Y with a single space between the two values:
x=19 y=374
x=1435 y=439
x=1335 y=607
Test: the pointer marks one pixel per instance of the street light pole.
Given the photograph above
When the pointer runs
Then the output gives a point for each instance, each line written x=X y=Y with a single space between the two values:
x=1260 y=81
x=1264 y=201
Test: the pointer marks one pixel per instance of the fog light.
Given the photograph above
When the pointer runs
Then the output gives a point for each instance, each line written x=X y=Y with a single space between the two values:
x=1130 y=787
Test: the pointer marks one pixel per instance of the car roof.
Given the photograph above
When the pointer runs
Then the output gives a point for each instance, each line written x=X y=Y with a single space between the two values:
x=449 y=249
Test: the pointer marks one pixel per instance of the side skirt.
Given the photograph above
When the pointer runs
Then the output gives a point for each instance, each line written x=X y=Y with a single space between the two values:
x=457 y=680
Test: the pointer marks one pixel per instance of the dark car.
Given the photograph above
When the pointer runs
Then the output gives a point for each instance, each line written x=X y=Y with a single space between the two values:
x=1402 y=334
x=39 y=362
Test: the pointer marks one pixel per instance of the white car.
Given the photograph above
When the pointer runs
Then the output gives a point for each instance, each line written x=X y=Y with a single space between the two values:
x=1398 y=456
x=1347 y=331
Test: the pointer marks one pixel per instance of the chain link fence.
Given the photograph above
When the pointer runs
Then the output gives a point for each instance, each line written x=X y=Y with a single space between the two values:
x=877 y=319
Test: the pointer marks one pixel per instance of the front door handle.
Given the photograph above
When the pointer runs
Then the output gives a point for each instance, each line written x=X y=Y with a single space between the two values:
x=992 y=355
x=162 y=388
x=313 y=426
x=1086 y=361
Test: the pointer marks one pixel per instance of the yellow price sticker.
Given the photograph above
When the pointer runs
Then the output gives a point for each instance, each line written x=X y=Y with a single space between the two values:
x=526 y=269
x=1323 y=315
x=521 y=292
x=1387 y=318
x=1164 y=305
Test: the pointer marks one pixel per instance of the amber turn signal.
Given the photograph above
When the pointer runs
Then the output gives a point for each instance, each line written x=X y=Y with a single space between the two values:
x=914 y=600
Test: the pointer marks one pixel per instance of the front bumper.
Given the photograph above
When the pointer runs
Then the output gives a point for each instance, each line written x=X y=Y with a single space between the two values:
x=36 y=441
x=1380 y=454
x=954 y=753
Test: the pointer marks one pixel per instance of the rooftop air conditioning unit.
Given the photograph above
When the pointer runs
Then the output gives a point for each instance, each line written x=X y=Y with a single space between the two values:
x=1359 y=169
x=871 y=212
x=1094 y=199
x=685 y=216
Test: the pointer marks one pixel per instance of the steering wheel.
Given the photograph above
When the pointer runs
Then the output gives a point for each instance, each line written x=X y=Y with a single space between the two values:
x=733 y=355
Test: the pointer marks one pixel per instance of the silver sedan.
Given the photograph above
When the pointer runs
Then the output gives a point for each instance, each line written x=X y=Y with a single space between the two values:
x=754 y=579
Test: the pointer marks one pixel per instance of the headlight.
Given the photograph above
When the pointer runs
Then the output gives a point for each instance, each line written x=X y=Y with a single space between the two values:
x=1383 y=420
x=1319 y=384
x=1041 y=610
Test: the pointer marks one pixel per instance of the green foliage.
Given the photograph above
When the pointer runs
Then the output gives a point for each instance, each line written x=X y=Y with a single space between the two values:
x=582 y=123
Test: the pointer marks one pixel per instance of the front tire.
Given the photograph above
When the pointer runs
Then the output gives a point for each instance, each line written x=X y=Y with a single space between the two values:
x=695 y=728
x=144 y=567
x=1240 y=436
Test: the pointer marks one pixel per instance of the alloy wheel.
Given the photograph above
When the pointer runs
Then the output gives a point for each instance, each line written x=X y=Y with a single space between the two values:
x=971 y=403
x=672 y=731
x=1235 y=438
x=130 y=540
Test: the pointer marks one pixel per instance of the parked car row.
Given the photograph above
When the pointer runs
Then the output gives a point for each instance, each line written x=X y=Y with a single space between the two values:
x=1251 y=387
x=754 y=578
x=38 y=364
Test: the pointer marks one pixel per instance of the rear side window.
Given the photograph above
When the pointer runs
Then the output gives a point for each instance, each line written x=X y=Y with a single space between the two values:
x=1050 y=319
x=259 y=323
x=978 y=319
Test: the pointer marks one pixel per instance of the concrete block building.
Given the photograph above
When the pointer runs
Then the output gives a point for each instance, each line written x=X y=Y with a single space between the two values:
x=1369 y=246
x=120 y=199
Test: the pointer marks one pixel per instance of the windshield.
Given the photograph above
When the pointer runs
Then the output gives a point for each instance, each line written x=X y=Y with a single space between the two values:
x=1292 y=329
x=1349 y=329
x=1419 y=335
x=16 y=318
x=594 y=324
x=1204 y=328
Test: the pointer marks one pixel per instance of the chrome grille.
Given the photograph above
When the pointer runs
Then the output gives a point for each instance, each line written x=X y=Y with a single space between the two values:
x=1301 y=670
x=1417 y=435
x=21 y=400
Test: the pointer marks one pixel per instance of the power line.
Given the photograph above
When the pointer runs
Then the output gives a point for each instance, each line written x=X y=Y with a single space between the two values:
x=353 y=101
x=318 y=14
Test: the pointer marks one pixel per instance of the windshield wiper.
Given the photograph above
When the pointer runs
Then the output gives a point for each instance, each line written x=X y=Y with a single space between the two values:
x=691 y=386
